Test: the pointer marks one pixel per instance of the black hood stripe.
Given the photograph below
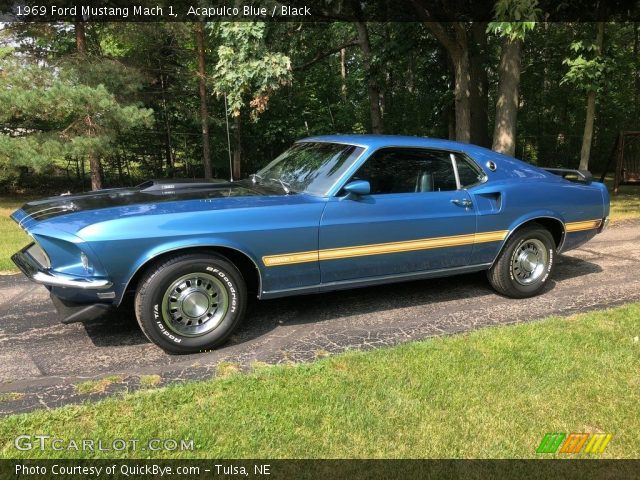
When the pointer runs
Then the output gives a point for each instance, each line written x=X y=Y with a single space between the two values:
x=56 y=206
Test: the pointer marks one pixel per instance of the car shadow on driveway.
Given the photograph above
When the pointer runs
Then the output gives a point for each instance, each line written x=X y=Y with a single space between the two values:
x=120 y=327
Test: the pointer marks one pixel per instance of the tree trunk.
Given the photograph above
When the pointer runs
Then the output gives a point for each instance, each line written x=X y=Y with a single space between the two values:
x=479 y=99
x=119 y=165
x=204 y=110
x=126 y=164
x=372 y=83
x=504 y=131
x=81 y=39
x=94 y=161
x=451 y=121
x=237 y=150
x=96 y=172
x=457 y=46
x=82 y=172
x=411 y=82
x=636 y=56
x=587 y=137
x=450 y=107
x=168 y=148
x=343 y=72
x=461 y=93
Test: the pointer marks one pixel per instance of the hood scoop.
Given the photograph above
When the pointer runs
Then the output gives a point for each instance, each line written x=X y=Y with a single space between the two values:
x=173 y=185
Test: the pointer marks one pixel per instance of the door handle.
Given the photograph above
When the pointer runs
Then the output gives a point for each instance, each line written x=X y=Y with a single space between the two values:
x=462 y=202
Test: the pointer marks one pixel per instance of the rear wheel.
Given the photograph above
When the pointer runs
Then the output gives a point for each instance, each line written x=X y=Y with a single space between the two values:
x=525 y=263
x=191 y=303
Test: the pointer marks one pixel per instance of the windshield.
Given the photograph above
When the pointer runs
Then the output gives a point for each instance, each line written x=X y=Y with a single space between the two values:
x=310 y=167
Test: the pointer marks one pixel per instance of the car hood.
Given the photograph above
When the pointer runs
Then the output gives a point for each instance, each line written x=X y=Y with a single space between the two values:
x=71 y=213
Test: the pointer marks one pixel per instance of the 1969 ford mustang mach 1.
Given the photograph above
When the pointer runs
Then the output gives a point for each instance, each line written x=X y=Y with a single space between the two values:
x=332 y=212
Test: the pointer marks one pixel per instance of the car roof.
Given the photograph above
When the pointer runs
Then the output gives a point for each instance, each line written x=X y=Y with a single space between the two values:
x=377 y=141
x=507 y=164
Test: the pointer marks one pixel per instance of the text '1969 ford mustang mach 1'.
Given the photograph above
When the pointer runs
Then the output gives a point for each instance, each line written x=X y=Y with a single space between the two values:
x=332 y=212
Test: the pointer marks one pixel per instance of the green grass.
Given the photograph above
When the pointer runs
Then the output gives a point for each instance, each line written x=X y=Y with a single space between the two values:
x=11 y=396
x=13 y=237
x=626 y=203
x=97 y=386
x=150 y=381
x=488 y=394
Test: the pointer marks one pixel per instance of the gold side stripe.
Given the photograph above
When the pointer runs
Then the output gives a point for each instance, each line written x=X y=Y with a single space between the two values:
x=580 y=226
x=383 y=248
x=290 y=258
x=408 y=246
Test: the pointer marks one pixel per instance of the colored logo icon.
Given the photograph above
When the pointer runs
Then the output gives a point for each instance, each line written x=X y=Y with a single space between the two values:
x=574 y=443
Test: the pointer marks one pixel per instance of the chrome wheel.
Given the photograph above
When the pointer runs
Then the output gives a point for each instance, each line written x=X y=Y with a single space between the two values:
x=529 y=261
x=194 y=304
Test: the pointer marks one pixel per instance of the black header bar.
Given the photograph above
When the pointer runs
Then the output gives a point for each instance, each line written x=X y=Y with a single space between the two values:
x=306 y=10
x=322 y=469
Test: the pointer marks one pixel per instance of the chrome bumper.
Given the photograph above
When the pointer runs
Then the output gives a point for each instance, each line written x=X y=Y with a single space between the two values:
x=35 y=272
x=603 y=225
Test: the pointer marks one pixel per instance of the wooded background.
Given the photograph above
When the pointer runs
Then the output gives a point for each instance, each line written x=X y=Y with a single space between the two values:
x=90 y=105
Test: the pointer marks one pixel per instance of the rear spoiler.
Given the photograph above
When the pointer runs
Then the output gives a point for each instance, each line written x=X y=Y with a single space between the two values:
x=578 y=176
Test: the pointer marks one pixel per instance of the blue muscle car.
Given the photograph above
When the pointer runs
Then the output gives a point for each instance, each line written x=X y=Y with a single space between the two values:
x=332 y=212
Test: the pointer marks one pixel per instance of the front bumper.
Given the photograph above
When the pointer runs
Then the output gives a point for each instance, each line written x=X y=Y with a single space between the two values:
x=37 y=273
x=70 y=312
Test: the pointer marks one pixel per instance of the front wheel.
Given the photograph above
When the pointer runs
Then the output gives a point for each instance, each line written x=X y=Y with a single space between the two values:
x=525 y=263
x=191 y=303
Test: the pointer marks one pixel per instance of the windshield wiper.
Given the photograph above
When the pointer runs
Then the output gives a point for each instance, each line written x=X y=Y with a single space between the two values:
x=255 y=177
x=285 y=186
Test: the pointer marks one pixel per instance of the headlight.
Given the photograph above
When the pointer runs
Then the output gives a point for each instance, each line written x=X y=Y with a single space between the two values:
x=67 y=255
x=39 y=255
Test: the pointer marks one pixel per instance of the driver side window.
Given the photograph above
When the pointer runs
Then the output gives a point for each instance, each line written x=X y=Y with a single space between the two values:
x=405 y=170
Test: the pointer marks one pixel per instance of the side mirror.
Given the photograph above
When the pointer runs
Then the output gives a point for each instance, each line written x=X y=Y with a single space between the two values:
x=358 y=187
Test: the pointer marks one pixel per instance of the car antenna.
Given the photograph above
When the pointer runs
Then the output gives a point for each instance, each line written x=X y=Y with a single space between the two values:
x=226 y=117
